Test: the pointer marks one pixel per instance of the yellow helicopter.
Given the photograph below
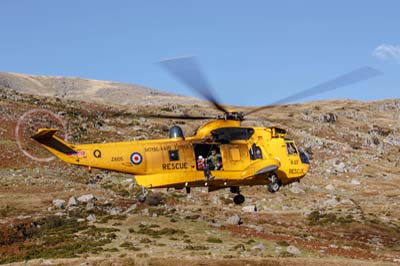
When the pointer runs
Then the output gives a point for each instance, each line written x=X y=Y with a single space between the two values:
x=221 y=154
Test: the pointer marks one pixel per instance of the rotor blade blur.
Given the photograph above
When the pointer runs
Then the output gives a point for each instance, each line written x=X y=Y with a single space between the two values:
x=184 y=117
x=350 y=78
x=186 y=70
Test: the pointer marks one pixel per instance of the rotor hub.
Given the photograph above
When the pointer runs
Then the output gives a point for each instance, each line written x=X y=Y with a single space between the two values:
x=232 y=115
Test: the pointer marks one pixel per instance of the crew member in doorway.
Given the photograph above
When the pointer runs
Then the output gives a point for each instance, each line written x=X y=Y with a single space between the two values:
x=214 y=161
x=200 y=163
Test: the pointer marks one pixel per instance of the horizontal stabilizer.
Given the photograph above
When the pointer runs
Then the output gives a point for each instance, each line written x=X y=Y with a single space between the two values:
x=46 y=137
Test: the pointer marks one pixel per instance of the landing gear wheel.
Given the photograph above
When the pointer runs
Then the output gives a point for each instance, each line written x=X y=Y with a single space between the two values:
x=141 y=198
x=238 y=199
x=274 y=187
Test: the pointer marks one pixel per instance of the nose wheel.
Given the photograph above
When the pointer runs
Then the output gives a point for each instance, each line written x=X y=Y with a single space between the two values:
x=275 y=184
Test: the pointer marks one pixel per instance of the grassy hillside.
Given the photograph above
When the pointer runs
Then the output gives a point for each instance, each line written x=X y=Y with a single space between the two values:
x=344 y=212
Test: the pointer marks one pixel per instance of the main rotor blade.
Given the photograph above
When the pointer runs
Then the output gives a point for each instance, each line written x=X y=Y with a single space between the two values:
x=184 y=117
x=188 y=72
x=355 y=76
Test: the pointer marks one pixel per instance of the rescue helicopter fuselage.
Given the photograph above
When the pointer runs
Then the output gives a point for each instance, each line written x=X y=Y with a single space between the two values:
x=248 y=155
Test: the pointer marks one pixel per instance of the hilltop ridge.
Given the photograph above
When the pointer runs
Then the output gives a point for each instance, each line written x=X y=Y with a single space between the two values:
x=89 y=90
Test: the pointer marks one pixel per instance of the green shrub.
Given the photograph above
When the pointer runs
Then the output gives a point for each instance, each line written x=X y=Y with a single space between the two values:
x=198 y=247
x=283 y=243
x=214 y=240
x=318 y=218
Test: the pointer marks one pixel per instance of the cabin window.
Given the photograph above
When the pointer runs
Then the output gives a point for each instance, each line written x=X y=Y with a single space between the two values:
x=291 y=148
x=255 y=152
x=173 y=155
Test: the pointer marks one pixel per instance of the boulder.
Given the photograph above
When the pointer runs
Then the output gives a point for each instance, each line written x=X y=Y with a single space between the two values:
x=234 y=220
x=341 y=167
x=59 y=203
x=331 y=202
x=293 y=250
x=250 y=208
x=259 y=247
x=115 y=211
x=91 y=218
x=72 y=201
x=131 y=208
x=258 y=228
x=285 y=208
x=295 y=189
x=330 y=187
x=86 y=198
x=215 y=200
x=90 y=206
x=328 y=118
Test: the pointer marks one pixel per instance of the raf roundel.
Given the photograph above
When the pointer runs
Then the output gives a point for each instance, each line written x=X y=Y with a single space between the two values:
x=136 y=158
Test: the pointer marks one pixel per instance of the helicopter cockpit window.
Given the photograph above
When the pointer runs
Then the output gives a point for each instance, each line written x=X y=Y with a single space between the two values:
x=291 y=148
x=173 y=155
x=304 y=157
x=255 y=152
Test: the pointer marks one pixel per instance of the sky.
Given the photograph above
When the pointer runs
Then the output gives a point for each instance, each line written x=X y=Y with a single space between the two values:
x=252 y=52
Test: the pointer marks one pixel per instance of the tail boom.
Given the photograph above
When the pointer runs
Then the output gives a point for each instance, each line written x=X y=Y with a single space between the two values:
x=57 y=146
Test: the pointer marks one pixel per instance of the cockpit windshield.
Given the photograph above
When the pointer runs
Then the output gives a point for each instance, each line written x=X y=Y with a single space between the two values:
x=291 y=148
x=304 y=157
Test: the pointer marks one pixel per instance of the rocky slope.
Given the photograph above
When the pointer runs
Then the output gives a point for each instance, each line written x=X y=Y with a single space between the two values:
x=344 y=212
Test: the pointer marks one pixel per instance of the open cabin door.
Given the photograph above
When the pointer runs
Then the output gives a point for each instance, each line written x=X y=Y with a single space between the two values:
x=203 y=154
x=234 y=157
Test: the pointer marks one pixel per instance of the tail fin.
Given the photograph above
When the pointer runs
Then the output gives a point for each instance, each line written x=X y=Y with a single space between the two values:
x=46 y=137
